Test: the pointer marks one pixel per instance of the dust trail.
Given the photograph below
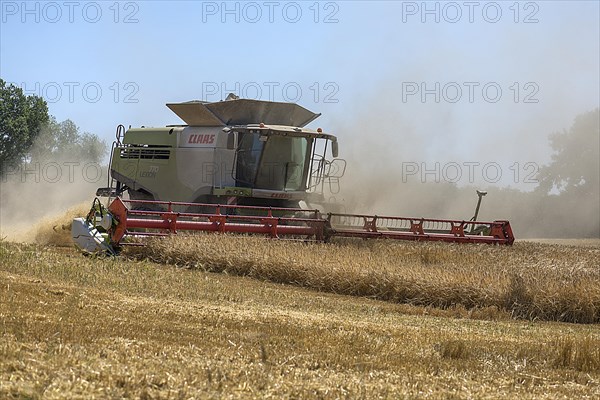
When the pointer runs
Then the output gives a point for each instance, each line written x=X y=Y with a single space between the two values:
x=40 y=212
x=376 y=179
x=36 y=196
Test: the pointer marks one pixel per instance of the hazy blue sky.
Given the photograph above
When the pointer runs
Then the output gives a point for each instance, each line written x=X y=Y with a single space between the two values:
x=420 y=82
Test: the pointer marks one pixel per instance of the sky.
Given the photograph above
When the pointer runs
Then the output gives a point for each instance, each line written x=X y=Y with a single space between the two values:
x=436 y=86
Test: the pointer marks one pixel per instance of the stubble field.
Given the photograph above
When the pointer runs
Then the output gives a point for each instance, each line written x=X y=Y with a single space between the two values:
x=235 y=317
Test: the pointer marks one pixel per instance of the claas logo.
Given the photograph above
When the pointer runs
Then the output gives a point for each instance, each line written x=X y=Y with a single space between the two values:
x=201 y=139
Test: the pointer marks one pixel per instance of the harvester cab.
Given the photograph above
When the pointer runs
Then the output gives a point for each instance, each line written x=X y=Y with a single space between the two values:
x=237 y=151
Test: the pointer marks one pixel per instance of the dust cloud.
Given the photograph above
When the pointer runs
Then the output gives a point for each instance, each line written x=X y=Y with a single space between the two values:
x=38 y=199
x=392 y=171
x=386 y=161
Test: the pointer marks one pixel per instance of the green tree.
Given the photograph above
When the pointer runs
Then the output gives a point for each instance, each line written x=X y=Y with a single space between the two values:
x=64 y=140
x=569 y=205
x=575 y=166
x=21 y=120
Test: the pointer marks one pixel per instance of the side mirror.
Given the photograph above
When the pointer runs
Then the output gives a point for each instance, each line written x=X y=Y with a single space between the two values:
x=334 y=149
x=231 y=140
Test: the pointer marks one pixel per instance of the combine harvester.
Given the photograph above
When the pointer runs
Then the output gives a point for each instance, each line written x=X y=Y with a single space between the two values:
x=243 y=166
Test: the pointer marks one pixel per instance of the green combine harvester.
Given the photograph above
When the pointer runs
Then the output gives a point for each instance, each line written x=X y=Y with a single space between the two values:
x=245 y=166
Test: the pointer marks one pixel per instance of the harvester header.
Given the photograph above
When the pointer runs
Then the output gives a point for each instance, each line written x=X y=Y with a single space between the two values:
x=106 y=229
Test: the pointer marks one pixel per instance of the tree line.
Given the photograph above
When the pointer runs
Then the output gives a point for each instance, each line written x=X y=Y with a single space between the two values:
x=28 y=133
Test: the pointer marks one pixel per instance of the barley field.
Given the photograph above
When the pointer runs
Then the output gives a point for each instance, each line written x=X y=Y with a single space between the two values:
x=209 y=316
x=528 y=280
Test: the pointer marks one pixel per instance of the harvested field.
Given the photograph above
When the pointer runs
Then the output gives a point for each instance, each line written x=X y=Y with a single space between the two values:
x=247 y=317
x=80 y=327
